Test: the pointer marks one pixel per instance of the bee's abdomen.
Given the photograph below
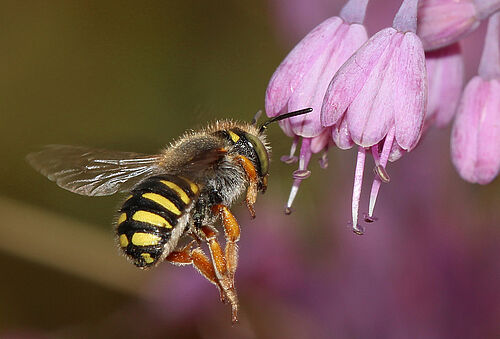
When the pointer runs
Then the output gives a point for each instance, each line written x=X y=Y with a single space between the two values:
x=151 y=217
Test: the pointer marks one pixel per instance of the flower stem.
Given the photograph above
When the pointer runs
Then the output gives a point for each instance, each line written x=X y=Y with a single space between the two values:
x=486 y=7
x=354 y=11
x=489 y=67
x=406 y=17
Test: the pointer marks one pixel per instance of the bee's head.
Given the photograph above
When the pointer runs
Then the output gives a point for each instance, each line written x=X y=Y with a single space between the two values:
x=248 y=142
x=258 y=145
x=251 y=143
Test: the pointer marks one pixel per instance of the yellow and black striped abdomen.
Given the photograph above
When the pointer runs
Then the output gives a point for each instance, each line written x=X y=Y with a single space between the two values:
x=152 y=218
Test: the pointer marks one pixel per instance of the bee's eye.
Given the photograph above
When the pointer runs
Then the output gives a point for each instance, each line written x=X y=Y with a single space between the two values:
x=261 y=151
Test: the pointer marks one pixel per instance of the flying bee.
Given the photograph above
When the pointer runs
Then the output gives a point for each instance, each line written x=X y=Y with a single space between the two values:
x=177 y=194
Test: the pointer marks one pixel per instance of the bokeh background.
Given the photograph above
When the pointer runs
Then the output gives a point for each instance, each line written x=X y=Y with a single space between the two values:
x=132 y=76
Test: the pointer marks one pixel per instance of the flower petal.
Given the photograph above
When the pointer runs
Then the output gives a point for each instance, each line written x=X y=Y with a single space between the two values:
x=443 y=22
x=371 y=114
x=488 y=162
x=286 y=127
x=297 y=63
x=320 y=142
x=410 y=97
x=310 y=92
x=341 y=136
x=463 y=138
x=396 y=152
x=351 y=77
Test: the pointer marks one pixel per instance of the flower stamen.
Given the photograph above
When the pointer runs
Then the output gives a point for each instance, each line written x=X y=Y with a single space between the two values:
x=323 y=161
x=356 y=192
x=382 y=175
x=369 y=219
x=290 y=159
x=300 y=174
x=375 y=154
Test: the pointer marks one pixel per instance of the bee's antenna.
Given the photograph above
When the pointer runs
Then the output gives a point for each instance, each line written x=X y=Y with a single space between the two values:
x=256 y=117
x=284 y=116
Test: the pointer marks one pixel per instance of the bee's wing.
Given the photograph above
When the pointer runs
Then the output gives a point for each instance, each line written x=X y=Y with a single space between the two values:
x=92 y=172
x=203 y=160
x=193 y=155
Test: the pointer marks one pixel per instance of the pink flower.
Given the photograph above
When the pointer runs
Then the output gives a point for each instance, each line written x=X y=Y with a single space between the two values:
x=443 y=22
x=378 y=98
x=303 y=77
x=445 y=78
x=475 y=140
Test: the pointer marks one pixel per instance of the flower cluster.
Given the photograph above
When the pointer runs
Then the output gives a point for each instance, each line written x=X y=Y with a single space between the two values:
x=382 y=93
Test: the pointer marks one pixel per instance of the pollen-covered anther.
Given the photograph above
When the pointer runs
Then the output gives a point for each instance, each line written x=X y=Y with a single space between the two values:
x=301 y=174
x=381 y=173
x=289 y=159
x=358 y=229
x=369 y=218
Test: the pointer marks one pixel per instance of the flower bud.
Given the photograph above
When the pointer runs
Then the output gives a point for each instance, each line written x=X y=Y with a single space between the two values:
x=442 y=22
x=445 y=76
x=475 y=139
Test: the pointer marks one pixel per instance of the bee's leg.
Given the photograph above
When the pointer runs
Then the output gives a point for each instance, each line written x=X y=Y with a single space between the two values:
x=251 y=173
x=232 y=233
x=224 y=269
x=197 y=258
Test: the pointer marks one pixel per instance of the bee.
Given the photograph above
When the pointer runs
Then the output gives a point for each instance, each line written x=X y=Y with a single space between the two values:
x=176 y=195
